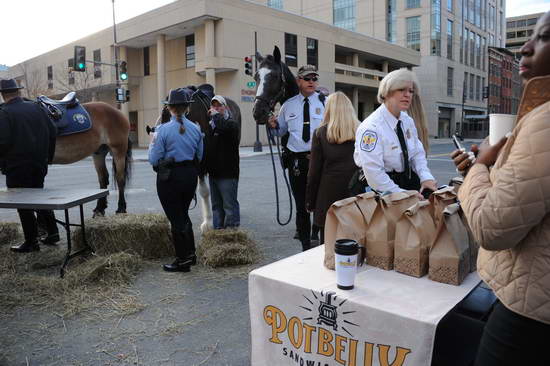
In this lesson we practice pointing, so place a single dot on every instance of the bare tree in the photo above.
(85, 84)
(35, 82)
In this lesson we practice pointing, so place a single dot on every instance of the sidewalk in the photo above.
(141, 154)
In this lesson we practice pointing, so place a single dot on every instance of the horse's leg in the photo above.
(204, 193)
(103, 177)
(121, 171)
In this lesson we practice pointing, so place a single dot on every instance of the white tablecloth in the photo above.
(388, 319)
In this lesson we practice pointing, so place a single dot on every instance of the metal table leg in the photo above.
(67, 226)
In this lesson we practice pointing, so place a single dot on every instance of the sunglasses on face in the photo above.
(307, 78)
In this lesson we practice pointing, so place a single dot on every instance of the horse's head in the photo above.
(275, 85)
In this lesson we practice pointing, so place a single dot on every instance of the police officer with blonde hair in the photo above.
(300, 116)
(387, 146)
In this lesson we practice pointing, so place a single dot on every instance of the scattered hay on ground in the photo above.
(10, 233)
(90, 284)
(228, 247)
(147, 235)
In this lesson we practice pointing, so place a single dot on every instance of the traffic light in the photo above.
(122, 72)
(120, 95)
(248, 65)
(127, 95)
(79, 58)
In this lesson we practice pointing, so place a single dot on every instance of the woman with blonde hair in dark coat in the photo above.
(331, 165)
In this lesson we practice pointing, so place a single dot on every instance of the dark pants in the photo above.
(510, 339)
(225, 206)
(31, 177)
(298, 181)
(175, 195)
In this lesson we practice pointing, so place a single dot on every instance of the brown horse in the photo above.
(109, 132)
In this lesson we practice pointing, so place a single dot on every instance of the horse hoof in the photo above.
(205, 226)
(98, 213)
(120, 211)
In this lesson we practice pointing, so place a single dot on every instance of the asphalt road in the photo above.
(188, 319)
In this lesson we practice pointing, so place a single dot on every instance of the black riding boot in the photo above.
(181, 264)
(190, 240)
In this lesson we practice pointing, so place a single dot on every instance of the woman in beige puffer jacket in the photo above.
(508, 210)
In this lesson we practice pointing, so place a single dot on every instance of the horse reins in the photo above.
(271, 139)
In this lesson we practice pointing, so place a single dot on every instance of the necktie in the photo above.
(403, 144)
(305, 128)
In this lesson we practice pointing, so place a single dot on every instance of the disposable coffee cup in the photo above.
(347, 260)
(499, 126)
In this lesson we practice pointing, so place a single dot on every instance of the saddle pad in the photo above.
(74, 120)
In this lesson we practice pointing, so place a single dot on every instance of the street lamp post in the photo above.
(257, 143)
(115, 47)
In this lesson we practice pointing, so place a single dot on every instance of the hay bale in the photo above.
(10, 233)
(228, 247)
(147, 235)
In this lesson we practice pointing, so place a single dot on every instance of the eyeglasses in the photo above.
(314, 79)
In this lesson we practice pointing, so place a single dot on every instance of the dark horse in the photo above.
(276, 84)
(198, 113)
(109, 132)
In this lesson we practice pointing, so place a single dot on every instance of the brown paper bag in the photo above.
(381, 229)
(347, 219)
(472, 243)
(456, 183)
(449, 260)
(414, 234)
(439, 200)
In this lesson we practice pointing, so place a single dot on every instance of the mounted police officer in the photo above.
(174, 150)
(300, 116)
(27, 145)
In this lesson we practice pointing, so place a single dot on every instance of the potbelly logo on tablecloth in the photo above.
(326, 333)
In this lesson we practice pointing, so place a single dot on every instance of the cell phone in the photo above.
(426, 193)
(457, 143)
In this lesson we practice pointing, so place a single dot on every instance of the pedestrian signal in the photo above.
(79, 58)
(122, 72)
(248, 65)
(120, 95)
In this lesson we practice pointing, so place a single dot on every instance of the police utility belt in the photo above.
(293, 161)
(358, 183)
(165, 166)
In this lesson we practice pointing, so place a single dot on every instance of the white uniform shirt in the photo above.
(291, 119)
(378, 152)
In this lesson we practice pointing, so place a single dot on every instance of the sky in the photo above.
(58, 22)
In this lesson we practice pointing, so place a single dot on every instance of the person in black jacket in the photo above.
(222, 165)
(27, 145)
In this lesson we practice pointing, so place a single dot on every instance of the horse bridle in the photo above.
(199, 94)
(277, 97)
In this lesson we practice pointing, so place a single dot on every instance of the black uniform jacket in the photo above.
(222, 155)
(27, 143)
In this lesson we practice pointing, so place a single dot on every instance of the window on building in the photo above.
(491, 40)
(97, 66)
(483, 86)
(472, 48)
(343, 14)
(146, 64)
(500, 22)
(450, 77)
(511, 24)
(450, 6)
(461, 53)
(391, 21)
(492, 13)
(478, 51)
(529, 32)
(413, 4)
(465, 87)
(276, 4)
(436, 28)
(510, 35)
(521, 23)
(532, 21)
(484, 15)
(521, 34)
(312, 52)
(190, 50)
(478, 13)
(471, 8)
(478, 87)
(449, 39)
(472, 78)
(413, 33)
(291, 49)
(70, 64)
(50, 77)
(483, 52)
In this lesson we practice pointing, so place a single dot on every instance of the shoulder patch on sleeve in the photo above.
(369, 140)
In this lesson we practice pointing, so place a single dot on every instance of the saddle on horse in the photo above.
(68, 114)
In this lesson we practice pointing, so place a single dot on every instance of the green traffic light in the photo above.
(123, 76)
(80, 65)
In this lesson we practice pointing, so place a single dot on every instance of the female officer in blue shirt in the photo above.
(175, 145)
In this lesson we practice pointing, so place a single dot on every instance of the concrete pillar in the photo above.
(356, 60)
(355, 100)
(210, 51)
(385, 66)
(161, 70)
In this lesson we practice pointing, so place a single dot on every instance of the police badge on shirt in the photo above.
(369, 140)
